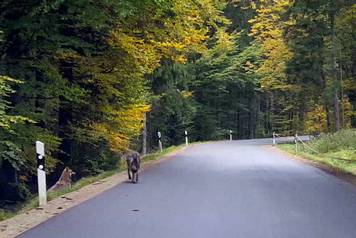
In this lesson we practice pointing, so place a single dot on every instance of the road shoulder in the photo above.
(18, 224)
(326, 168)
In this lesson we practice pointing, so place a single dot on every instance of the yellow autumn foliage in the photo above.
(316, 120)
(348, 112)
(139, 51)
(169, 37)
(268, 29)
(122, 126)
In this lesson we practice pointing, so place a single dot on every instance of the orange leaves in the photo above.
(172, 32)
(143, 53)
(174, 37)
(121, 126)
(316, 121)
(117, 141)
(267, 28)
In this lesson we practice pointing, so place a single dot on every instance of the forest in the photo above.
(85, 77)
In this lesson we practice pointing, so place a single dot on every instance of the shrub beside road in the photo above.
(337, 150)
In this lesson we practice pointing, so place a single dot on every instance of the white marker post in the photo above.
(41, 174)
(159, 141)
(186, 138)
(274, 139)
(230, 134)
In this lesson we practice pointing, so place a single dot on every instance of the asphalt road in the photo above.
(237, 189)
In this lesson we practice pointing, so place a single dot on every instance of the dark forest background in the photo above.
(82, 75)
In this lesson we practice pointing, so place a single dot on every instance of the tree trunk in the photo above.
(271, 115)
(144, 135)
(65, 132)
(342, 92)
(252, 127)
(334, 73)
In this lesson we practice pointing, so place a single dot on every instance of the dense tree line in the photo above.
(73, 76)
(81, 75)
(281, 65)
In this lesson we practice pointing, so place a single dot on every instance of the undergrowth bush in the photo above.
(342, 140)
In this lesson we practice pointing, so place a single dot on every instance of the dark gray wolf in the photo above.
(133, 160)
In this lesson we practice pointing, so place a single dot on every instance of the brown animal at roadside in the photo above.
(65, 181)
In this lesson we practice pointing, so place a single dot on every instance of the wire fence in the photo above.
(305, 145)
(297, 140)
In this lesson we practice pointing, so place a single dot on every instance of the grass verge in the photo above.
(32, 202)
(157, 154)
(337, 151)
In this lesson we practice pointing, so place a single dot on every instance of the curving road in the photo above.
(238, 189)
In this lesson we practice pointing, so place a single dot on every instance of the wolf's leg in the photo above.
(136, 177)
(134, 174)
(128, 173)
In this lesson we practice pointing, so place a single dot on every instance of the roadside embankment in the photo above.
(336, 152)
(31, 215)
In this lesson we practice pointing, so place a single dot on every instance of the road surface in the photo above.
(238, 189)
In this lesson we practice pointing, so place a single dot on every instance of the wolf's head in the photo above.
(67, 174)
(70, 172)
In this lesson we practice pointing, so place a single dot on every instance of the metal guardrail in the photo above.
(297, 139)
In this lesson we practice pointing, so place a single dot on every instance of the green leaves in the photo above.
(84, 67)
(90, 70)
(11, 153)
(6, 120)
